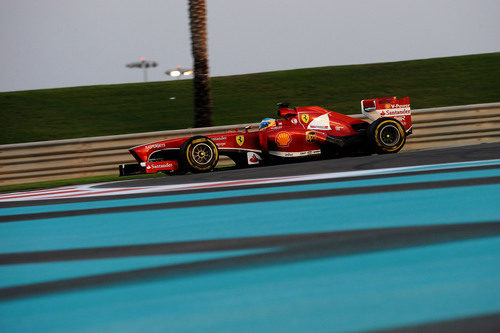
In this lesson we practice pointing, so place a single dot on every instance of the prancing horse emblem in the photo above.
(305, 118)
(240, 139)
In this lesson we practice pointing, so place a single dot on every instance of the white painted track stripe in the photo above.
(35, 194)
(89, 190)
(46, 191)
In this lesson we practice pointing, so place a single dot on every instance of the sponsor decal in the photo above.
(338, 126)
(305, 118)
(294, 121)
(155, 146)
(320, 123)
(295, 154)
(396, 112)
(219, 138)
(240, 139)
(310, 136)
(320, 127)
(199, 140)
(253, 158)
(283, 139)
(160, 166)
(397, 106)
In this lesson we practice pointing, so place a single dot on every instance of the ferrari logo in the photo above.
(240, 139)
(305, 118)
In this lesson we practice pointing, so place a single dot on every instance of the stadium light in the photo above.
(179, 72)
(144, 65)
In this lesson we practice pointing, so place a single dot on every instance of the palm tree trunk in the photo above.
(202, 99)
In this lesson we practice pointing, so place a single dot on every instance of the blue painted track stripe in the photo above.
(355, 292)
(423, 207)
(361, 292)
(450, 165)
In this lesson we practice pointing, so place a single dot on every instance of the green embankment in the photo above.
(51, 114)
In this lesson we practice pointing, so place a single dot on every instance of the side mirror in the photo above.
(283, 105)
(286, 112)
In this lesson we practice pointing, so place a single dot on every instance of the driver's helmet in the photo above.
(266, 123)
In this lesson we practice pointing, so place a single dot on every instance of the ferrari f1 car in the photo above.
(300, 132)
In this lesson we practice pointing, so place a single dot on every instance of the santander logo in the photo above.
(159, 166)
(254, 159)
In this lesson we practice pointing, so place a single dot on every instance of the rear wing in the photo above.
(389, 107)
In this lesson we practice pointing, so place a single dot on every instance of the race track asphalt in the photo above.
(445, 155)
(394, 243)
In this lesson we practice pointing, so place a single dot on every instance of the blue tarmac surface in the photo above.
(356, 291)
(359, 292)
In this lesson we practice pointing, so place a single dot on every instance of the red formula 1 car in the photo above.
(299, 132)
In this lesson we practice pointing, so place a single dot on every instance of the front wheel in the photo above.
(386, 135)
(199, 154)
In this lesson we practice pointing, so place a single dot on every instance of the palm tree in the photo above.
(202, 99)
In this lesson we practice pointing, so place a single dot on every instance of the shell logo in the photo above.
(388, 106)
(283, 139)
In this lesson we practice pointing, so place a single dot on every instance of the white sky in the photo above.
(60, 43)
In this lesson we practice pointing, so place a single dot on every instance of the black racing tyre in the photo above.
(386, 135)
(198, 154)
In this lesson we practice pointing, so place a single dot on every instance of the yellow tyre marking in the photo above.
(401, 132)
(214, 149)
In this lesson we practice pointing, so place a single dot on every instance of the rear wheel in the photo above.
(198, 154)
(386, 135)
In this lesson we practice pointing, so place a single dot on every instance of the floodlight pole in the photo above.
(144, 65)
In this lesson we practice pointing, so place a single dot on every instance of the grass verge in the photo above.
(77, 112)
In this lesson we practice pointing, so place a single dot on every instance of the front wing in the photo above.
(147, 167)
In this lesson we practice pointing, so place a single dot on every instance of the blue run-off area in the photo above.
(361, 284)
